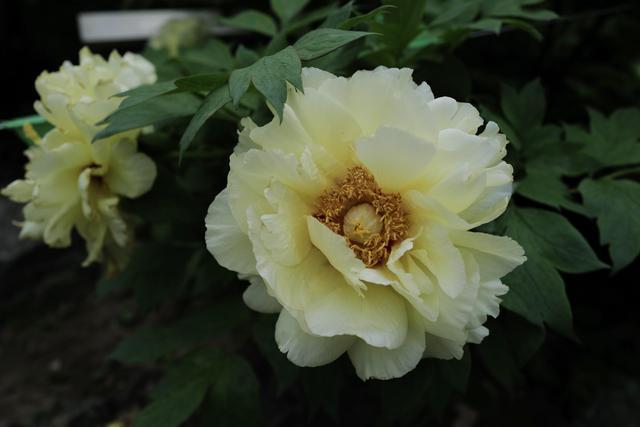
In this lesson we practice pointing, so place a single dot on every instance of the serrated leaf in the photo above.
(460, 13)
(536, 289)
(201, 82)
(212, 55)
(615, 140)
(215, 100)
(233, 397)
(497, 356)
(285, 372)
(269, 75)
(537, 292)
(552, 237)
(252, 20)
(174, 407)
(287, 9)
(547, 188)
(319, 42)
(149, 344)
(366, 17)
(524, 108)
(337, 16)
(401, 24)
(145, 92)
(148, 112)
(616, 205)
(155, 272)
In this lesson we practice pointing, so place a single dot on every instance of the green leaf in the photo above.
(287, 9)
(497, 356)
(536, 289)
(201, 82)
(489, 24)
(285, 372)
(460, 13)
(524, 108)
(149, 344)
(525, 337)
(252, 20)
(245, 56)
(319, 42)
(366, 17)
(616, 205)
(455, 372)
(215, 100)
(165, 107)
(401, 24)
(233, 398)
(213, 55)
(547, 188)
(269, 75)
(613, 141)
(516, 9)
(550, 236)
(174, 407)
(524, 26)
(144, 93)
(155, 272)
(337, 16)
(537, 293)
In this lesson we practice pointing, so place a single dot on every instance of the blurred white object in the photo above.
(115, 26)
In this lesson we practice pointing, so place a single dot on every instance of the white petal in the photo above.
(495, 255)
(20, 190)
(257, 298)
(305, 349)
(442, 348)
(379, 317)
(131, 173)
(442, 259)
(382, 363)
(226, 242)
(395, 157)
(338, 253)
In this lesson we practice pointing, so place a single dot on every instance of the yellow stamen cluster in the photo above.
(348, 209)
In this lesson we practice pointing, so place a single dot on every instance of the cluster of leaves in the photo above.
(217, 357)
(567, 174)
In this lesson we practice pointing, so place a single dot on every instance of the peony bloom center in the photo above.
(361, 223)
(371, 220)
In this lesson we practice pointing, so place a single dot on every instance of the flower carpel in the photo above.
(370, 219)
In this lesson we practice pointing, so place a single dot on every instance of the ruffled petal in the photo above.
(394, 157)
(378, 317)
(257, 298)
(306, 349)
(383, 363)
(495, 255)
(225, 240)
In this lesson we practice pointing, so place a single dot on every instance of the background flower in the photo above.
(71, 182)
(355, 212)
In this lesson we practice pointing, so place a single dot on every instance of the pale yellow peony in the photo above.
(71, 182)
(351, 219)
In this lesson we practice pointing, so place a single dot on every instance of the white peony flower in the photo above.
(71, 182)
(352, 218)
(76, 97)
